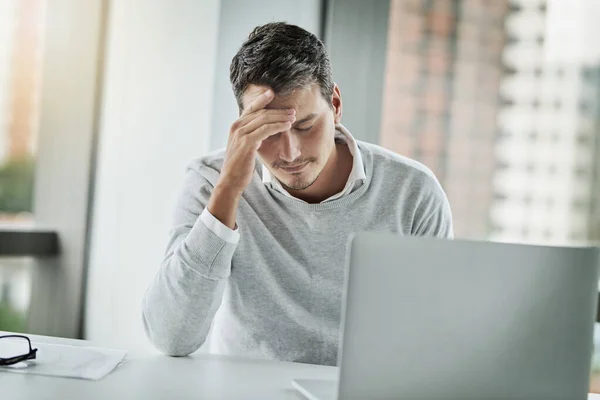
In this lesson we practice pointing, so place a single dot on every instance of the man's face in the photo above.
(296, 157)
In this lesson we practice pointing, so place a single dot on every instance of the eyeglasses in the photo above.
(19, 353)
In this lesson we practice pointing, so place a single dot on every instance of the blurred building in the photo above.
(441, 97)
(7, 22)
(20, 56)
(547, 187)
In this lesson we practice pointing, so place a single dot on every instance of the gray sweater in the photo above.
(278, 291)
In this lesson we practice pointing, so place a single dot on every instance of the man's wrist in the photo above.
(227, 191)
(223, 204)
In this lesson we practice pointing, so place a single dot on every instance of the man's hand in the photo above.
(245, 137)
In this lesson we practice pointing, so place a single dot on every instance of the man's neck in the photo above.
(332, 179)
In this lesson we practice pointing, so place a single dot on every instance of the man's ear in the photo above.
(336, 103)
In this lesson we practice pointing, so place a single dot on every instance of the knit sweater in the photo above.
(278, 291)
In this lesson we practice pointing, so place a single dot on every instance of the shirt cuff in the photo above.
(218, 228)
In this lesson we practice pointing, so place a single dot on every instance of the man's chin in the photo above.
(297, 185)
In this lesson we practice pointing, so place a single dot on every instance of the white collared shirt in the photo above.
(356, 179)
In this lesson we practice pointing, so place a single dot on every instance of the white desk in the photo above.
(148, 377)
(202, 376)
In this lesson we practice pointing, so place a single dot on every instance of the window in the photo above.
(533, 110)
(522, 99)
(15, 288)
(546, 96)
(21, 28)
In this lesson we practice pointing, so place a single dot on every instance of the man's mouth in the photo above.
(295, 168)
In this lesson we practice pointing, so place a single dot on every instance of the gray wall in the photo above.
(356, 37)
(237, 19)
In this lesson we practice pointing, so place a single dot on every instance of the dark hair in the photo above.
(282, 56)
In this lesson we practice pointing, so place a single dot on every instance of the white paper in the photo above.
(66, 361)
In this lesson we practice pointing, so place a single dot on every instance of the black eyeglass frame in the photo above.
(31, 355)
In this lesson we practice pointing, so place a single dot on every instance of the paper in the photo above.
(66, 361)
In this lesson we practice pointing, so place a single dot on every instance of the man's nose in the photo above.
(289, 149)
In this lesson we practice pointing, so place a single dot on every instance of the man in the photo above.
(261, 228)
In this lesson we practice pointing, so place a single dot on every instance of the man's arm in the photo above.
(433, 216)
(180, 303)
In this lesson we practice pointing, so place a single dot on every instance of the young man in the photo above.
(261, 228)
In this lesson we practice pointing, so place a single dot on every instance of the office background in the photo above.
(103, 103)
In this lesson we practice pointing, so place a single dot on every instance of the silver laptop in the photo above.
(432, 319)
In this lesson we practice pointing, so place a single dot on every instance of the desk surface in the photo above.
(153, 376)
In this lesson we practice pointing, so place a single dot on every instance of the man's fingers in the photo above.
(245, 120)
(267, 130)
(259, 102)
(266, 118)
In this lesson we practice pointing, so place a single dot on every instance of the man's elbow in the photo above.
(175, 350)
(170, 342)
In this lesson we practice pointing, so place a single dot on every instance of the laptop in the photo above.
(427, 318)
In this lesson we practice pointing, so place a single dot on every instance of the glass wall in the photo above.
(21, 43)
(502, 105)
(15, 292)
(501, 100)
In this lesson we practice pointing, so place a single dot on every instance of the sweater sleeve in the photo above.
(433, 216)
(218, 228)
(180, 303)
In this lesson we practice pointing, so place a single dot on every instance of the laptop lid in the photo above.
(430, 318)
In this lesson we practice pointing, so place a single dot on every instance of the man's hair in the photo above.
(284, 57)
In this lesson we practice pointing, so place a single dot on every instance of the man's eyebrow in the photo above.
(305, 119)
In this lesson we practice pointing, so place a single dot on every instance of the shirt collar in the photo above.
(341, 135)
